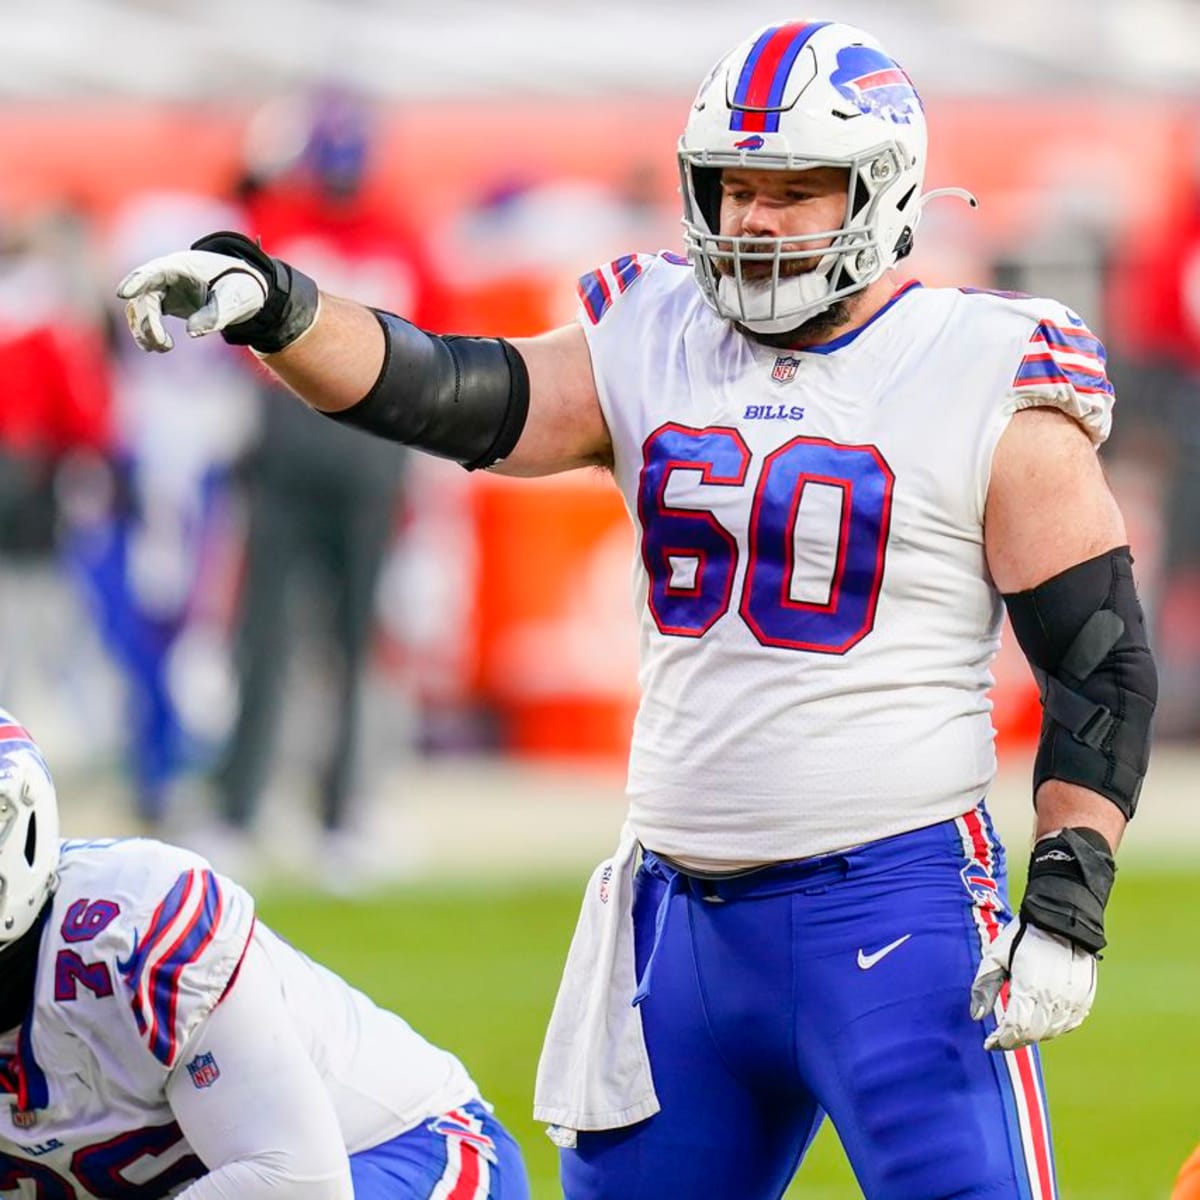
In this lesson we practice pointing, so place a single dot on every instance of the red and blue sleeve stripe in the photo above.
(626, 269)
(1080, 340)
(764, 75)
(1071, 357)
(596, 288)
(181, 929)
(595, 294)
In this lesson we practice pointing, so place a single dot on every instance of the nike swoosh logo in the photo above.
(867, 961)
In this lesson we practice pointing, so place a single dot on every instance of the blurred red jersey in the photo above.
(351, 246)
(54, 394)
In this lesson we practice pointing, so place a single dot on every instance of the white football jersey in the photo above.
(141, 942)
(817, 617)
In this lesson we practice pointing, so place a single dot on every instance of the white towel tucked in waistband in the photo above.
(594, 1071)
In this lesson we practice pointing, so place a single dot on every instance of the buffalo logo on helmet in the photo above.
(753, 142)
(875, 84)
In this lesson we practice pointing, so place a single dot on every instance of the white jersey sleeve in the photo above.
(264, 1124)
(1062, 365)
(175, 933)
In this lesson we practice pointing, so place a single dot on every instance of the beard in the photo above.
(816, 329)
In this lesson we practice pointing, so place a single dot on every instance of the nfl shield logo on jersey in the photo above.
(785, 369)
(204, 1070)
(23, 1118)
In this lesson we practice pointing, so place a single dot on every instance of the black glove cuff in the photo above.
(291, 303)
(1070, 877)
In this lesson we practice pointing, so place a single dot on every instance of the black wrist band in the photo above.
(292, 297)
(1070, 877)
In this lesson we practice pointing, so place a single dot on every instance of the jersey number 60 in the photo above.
(692, 558)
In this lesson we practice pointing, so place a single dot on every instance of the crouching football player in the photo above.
(158, 1040)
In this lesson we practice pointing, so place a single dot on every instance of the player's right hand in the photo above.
(1051, 986)
(209, 291)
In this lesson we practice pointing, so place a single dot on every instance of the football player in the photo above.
(159, 1040)
(839, 481)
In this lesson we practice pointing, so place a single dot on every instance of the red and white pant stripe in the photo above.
(468, 1172)
(1028, 1097)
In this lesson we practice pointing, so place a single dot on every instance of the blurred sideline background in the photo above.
(396, 698)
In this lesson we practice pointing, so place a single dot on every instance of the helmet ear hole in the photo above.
(858, 195)
(31, 839)
(707, 184)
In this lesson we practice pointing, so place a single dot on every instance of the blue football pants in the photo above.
(836, 985)
(465, 1154)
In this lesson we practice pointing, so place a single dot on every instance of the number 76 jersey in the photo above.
(816, 616)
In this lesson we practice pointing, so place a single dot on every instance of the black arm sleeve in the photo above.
(463, 398)
(1085, 638)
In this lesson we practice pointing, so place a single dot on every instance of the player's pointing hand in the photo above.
(209, 291)
(224, 284)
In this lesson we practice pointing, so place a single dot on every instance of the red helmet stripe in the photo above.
(765, 72)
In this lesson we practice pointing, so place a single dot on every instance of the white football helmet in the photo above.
(28, 830)
(796, 96)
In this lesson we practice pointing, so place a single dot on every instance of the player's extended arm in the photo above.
(265, 1126)
(526, 407)
(1055, 543)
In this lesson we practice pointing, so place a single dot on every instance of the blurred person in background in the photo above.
(157, 1039)
(160, 563)
(322, 509)
(1155, 290)
(840, 482)
(55, 439)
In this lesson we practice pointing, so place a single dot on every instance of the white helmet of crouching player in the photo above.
(793, 97)
(28, 830)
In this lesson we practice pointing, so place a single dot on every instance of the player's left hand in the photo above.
(1052, 983)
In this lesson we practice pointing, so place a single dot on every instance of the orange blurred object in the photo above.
(556, 646)
(1187, 1183)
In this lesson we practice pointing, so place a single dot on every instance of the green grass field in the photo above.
(475, 969)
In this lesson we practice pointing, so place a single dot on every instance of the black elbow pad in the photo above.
(1084, 635)
(462, 398)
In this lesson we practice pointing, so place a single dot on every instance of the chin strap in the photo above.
(957, 192)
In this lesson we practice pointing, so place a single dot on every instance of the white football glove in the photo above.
(209, 291)
(1052, 983)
